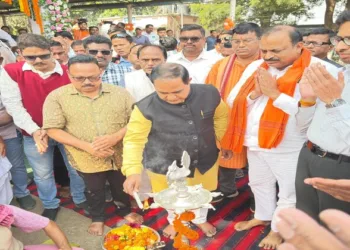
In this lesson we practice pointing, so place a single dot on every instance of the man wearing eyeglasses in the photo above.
(100, 47)
(24, 87)
(323, 171)
(263, 119)
(318, 42)
(224, 76)
(193, 56)
(92, 138)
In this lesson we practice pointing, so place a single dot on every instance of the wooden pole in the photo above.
(233, 9)
(129, 8)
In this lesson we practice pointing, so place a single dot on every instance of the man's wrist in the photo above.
(253, 96)
(275, 95)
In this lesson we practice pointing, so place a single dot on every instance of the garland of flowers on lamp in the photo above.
(56, 16)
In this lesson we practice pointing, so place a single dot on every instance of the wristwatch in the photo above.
(335, 103)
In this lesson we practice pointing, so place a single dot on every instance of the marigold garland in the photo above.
(183, 230)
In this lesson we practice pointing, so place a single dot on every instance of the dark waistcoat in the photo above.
(178, 127)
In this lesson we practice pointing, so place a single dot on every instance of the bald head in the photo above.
(281, 46)
(294, 35)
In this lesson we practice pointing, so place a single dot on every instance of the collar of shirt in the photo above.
(58, 69)
(125, 63)
(204, 55)
(74, 91)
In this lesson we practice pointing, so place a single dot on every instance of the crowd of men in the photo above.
(120, 108)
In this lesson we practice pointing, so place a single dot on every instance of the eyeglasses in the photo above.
(245, 41)
(316, 44)
(41, 57)
(194, 39)
(337, 39)
(82, 79)
(94, 52)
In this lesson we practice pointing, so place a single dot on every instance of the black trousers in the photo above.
(311, 200)
(95, 193)
(60, 169)
(227, 180)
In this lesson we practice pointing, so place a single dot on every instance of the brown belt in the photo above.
(324, 154)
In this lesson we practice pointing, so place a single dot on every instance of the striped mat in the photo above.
(227, 213)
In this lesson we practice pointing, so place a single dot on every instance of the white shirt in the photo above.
(329, 128)
(199, 68)
(6, 36)
(215, 54)
(293, 137)
(138, 84)
(12, 98)
(152, 37)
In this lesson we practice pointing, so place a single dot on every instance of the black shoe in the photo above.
(50, 213)
(26, 202)
(217, 199)
(231, 195)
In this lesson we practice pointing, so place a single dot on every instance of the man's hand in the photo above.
(105, 142)
(2, 147)
(267, 84)
(103, 153)
(41, 140)
(324, 85)
(305, 88)
(256, 93)
(339, 189)
(132, 183)
(226, 154)
(301, 232)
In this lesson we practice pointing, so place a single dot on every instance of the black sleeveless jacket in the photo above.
(175, 128)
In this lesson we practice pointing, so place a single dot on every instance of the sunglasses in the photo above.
(194, 39)
(41, 57)
(94, 52)
(337, 39)
(82, 79)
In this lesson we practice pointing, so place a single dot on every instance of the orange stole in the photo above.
(273, 121)
(215, 78)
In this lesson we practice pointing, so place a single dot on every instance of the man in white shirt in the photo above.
(152, 37)
(323, 171)
(193, 56)
(137, 82)
(267, 95)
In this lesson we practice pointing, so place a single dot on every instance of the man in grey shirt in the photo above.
(324, 163)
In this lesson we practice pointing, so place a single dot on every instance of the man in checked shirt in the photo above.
(100, 47)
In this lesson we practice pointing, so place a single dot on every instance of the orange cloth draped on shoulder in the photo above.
(80, 34)
(273, 121)
(224, 75)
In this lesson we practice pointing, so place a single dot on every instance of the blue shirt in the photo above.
(141, 39)
(211, 41)
(125, 63)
